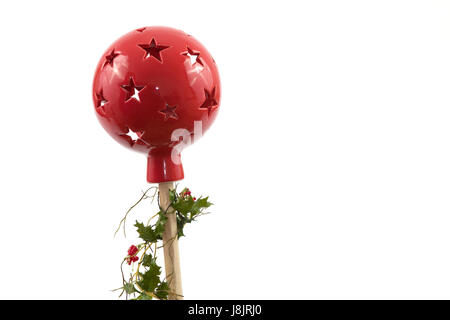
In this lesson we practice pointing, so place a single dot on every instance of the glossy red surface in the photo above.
(151, 82)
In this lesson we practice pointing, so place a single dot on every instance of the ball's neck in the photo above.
(164, 165)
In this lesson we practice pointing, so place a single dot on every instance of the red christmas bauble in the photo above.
(156, 89)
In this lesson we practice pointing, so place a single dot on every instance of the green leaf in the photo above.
(184, 205)
(172, 195)
(143, 296)
(150, 279)
(146, 233)
(129, 288)
(202, 203)
(160, 224)
(187, 210)
(199, 205)
(188, 205)
(162, 291)
(148, 260)
(181, 221)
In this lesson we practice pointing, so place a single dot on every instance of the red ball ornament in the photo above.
(156, 90)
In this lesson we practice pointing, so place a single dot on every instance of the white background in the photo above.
(329, 162)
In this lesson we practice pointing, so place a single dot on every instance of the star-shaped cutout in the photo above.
(133, 136)
(109, 59)
(153, 50)
(169, 112)
(101, 100)
(194, 56)
(132, 90)
(210, 101)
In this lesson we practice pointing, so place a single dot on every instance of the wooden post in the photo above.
(170, 243)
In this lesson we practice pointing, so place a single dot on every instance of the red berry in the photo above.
(132, 250)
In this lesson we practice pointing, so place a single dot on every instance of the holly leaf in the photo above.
(162, 292)
(129, 288)
(146, 233)
(199, 205)
(180, 231)
(184, 205)
(160, 224)
(150, 279)
(188, 205)
(172, 195)
(181, 221)
(187, 210)
(148, 260)
(143, 296)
